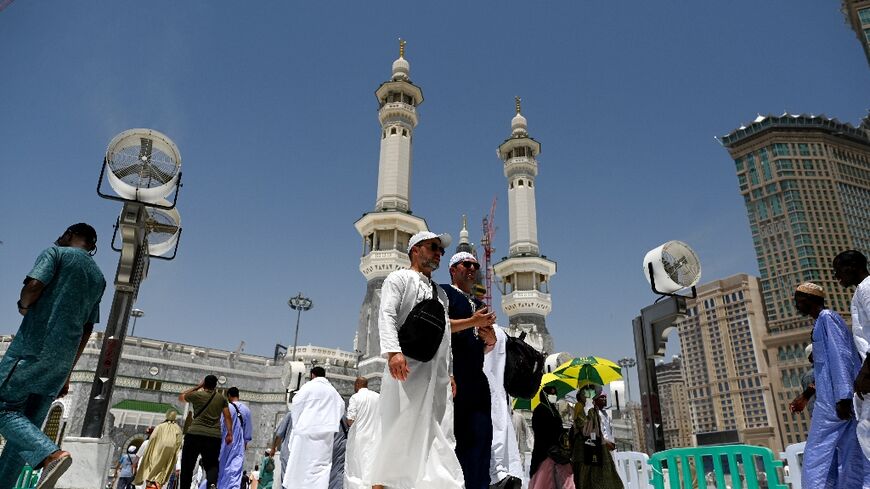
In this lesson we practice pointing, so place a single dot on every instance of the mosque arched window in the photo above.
(531, 184)
(512, 185)
(392, 131)
(520, 182)
(404, 132)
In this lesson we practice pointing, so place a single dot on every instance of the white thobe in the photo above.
(861, 332)
(505, 453)
(317, 410)
(362, 438)
(414, 452)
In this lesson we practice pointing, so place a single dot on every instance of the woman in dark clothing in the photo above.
(547, 426)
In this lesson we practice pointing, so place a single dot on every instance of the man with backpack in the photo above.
(203, 430)
(471, 333)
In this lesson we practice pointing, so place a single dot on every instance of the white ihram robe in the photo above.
(317, 410)
(861, 332)
(414, 451)
(362, 439)
(505, 458)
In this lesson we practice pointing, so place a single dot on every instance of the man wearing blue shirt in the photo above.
(60, 302)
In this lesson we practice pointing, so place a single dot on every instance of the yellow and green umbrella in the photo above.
(562, 384)
(590, 370)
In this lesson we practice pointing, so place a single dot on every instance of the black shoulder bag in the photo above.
(423, 329)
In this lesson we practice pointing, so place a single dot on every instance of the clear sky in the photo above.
(272, 106)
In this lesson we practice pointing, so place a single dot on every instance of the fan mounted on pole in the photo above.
(671, 267)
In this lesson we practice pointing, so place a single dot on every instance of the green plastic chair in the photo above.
(680, 460)
(28, 478)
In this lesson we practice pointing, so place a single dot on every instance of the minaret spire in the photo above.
(385, 231)
(525, 273)
(518, 101)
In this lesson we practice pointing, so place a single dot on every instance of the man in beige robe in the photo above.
(158, 463)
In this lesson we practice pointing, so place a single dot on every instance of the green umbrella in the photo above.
(562, 384)
(590, 370)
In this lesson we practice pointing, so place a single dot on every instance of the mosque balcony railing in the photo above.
(527, 302)
(398, 109)
(381, 262)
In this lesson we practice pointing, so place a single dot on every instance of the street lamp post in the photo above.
(298, 303)
(135, 314)
(626, 363)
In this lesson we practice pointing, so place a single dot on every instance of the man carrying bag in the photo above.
(202, 436)
(414, 451)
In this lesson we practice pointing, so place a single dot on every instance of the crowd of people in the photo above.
(442, 419)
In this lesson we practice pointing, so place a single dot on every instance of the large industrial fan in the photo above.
(671, 267)
(143, 165)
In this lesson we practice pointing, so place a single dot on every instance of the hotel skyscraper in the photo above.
(805, 181)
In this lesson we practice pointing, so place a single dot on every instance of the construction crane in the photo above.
(487, 240)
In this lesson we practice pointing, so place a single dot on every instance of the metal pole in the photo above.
(131, 267)
(299, 303)
(296, 336)
(136, 313)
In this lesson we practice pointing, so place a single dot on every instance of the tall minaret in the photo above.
(385, 231)
(524, 275)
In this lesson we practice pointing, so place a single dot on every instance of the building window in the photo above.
(392, 131)
(405, 132)
(864, 15)
(150, 385)
(520, 183)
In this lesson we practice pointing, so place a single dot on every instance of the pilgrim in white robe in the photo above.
(317, 410)
(362, 438)
(861, 332)
(414, 451)
(505, 460)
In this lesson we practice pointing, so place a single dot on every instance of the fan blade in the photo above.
(145, 148)
(157, 173)
(129, 170)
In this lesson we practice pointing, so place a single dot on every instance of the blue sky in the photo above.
(272, 106)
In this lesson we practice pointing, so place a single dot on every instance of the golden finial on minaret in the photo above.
(518, 101)
(464, 221)
(402, 43)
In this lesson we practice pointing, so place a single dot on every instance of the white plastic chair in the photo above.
(793, 457)
(633, 468)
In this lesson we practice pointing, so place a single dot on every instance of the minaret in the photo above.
(464, 244)
(524, 275)
(385, 231)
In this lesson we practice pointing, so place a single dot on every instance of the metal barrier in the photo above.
(28, 478)
(746, 465)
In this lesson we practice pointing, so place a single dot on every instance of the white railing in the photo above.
(633, 468)
(793, 457)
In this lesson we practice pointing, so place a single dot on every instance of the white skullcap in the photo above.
(424, 235)
(461, 257)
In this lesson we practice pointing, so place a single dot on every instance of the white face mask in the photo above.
(552, 398)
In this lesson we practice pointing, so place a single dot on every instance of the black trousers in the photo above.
(206, 447)
(473, 429)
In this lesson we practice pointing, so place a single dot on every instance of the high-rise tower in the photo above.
(386, 230)
(524, 275)
(805, 181)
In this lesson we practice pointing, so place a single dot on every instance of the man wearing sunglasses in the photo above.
(414, 451)
(471, 327)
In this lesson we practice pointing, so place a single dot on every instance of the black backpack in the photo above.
(423, 329)
(524, 367)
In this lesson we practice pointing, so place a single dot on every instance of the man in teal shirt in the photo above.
(60, 302)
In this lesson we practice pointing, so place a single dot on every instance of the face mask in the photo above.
(552, 398)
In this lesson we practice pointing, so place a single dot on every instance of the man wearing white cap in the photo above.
(414, 451)
(832, 457)
(471, 327)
